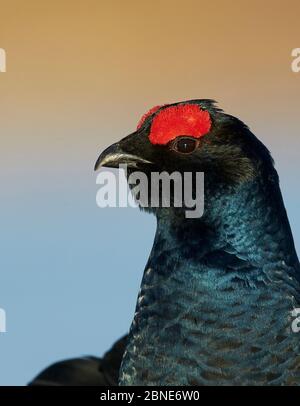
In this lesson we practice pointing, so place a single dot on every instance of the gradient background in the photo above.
(79, 76)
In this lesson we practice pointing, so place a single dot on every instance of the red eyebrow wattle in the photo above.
(173, 121)
(148, 114)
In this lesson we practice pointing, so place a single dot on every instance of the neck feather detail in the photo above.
(216, 299)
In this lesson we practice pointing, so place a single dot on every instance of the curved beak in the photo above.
(116, 155)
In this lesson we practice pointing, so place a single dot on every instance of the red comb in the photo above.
(183, 119)
(148, 114)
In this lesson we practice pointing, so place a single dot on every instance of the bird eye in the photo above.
(185, 145)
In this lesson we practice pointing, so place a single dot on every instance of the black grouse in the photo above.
(218, 291)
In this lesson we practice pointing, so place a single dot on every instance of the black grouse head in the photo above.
(193, 136)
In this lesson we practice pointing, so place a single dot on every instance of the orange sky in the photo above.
(80, 73)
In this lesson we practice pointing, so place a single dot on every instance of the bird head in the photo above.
(192, 136)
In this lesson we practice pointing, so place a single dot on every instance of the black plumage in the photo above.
(84, 371)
